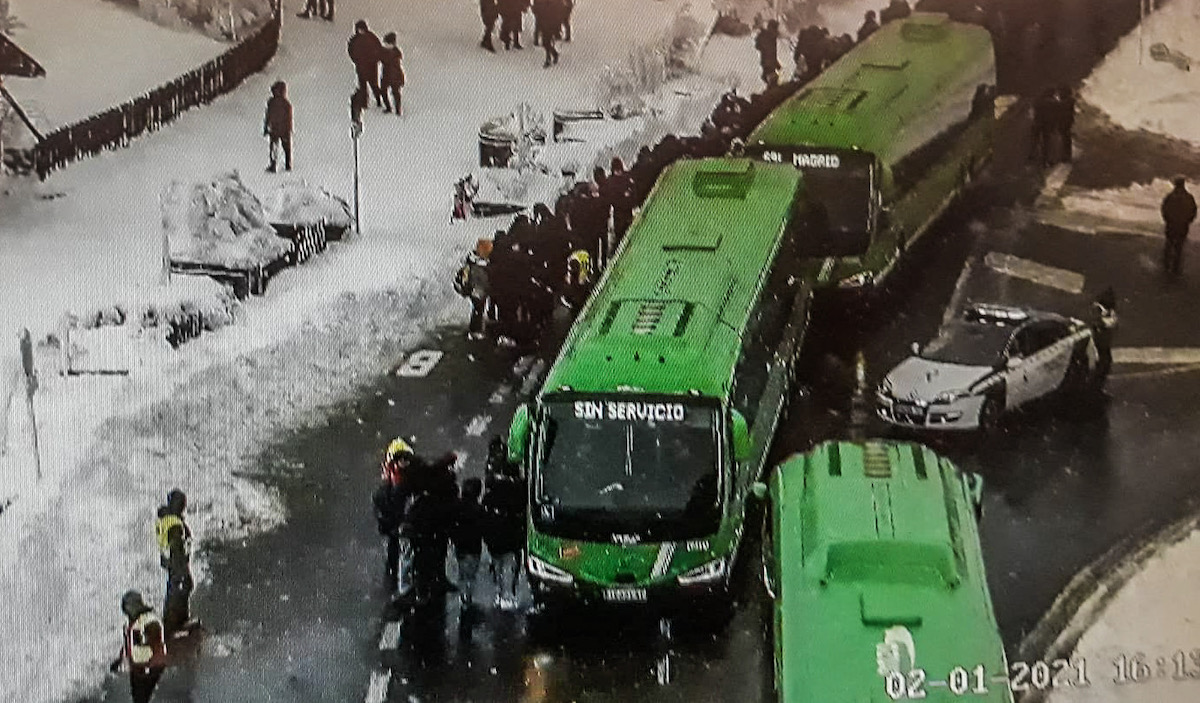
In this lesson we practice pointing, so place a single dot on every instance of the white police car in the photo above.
(988, 361)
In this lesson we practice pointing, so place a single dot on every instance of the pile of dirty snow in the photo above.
(1157, 91)
(219, 223)
(522, 188)
(299, 204)
(154, 306)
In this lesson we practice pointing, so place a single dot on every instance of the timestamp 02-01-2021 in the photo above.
(1124, 669)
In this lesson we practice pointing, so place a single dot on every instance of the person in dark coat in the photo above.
(504, 505)
(175, 554)
(618, 193)
(326, 8)
(1178, 213)
(511, 12)
(589, 222)
(429, 520)
(869, 26)
(277, 126)
(470, 523)
(565, 10)
(548, 27)
(310, 9)
(767, 44)
(143, 647)
(366, 52)
(502, 272)
(1043, 129)
(1065, 120)
(896, 10)
(488, 12)
(393, 72)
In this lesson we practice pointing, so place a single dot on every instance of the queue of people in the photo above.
(421, 511)
(551, 24)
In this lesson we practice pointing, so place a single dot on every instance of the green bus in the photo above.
(656, 417)
(871, 554)
(886, 137)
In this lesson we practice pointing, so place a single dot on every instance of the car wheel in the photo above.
(989, 414)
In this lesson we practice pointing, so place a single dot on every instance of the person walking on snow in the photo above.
(510, 22)
(143, 647)
(767, 43)
(277, 126)
(366, 51)
(1178, 213)
(393, 72)
(488, 12)
(504, 505)
(549, 21)
(174, 539)
(1065, 120)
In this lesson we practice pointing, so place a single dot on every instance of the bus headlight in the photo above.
(546, 571)
(947, 397)
(858, 280)
(710, 572)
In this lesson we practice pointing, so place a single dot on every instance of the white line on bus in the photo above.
(1028, 270)
(390, 639)
(1156, 355)
(377, 691)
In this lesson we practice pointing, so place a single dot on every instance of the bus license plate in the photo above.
(625, 595)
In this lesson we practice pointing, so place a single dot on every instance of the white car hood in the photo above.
(921, 379)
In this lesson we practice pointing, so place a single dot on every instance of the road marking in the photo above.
(1087, 223)
(478, 425)
(377, 691)
(533, 378)
(1028, 270)
(1169, 356)
(960, 286)
(666, 553)
(1055, 180)
(1159, 372)
(419, 363)
(390, 639)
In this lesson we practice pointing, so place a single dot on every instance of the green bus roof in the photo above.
(882, 87)
(668, 314)
(883, 549)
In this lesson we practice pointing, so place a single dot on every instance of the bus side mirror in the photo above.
(884, 220)
(518, 434)
(975, 490)
(742, 450)
(758, 489)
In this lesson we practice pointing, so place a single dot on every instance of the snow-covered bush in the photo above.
(300, 204)
(161, 305)
(219, 223)
(220, 19)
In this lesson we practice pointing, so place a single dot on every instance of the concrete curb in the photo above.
(1088, 594)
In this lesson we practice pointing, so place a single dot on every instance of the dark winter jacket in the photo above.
(868, 28)
(767, 43)
(470, 524)
(365, 49)
(896, 10)
(278, 120)
(422, 499)
(393, 69)
(488, 11)
(512, 8)
(504, 505)
(1178, 210)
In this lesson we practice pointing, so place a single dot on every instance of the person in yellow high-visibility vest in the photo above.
(578, 284)
(143, 647)
(174, 539)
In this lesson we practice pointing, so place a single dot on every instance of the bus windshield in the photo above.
(641, 466)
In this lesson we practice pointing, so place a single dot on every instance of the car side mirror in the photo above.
(758, 489)
(742, 450)
(916, 348)
(1013, 362)
(518, 434)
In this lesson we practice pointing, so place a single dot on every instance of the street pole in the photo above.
(30, 389)
(356, 133)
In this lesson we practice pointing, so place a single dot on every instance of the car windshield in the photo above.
(639, 466)
(968, 343)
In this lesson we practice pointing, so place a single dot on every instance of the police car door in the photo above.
(1053, 355)
(1018, 379)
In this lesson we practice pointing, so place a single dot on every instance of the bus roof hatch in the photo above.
(724, 179)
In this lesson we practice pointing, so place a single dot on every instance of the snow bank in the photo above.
(220, 223)
(300, 204)
(1151, 93)
(519, 187)
(152, 306)
(219, 19)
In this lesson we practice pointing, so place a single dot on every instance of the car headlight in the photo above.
(858, 280)
(545, 571)
(946, 397)
(885, 388)
(709, 572)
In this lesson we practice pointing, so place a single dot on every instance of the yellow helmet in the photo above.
(398, 449)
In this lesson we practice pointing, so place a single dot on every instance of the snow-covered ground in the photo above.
(113, 445)
(1149, 93)
(1154, 616)
(97, 55)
